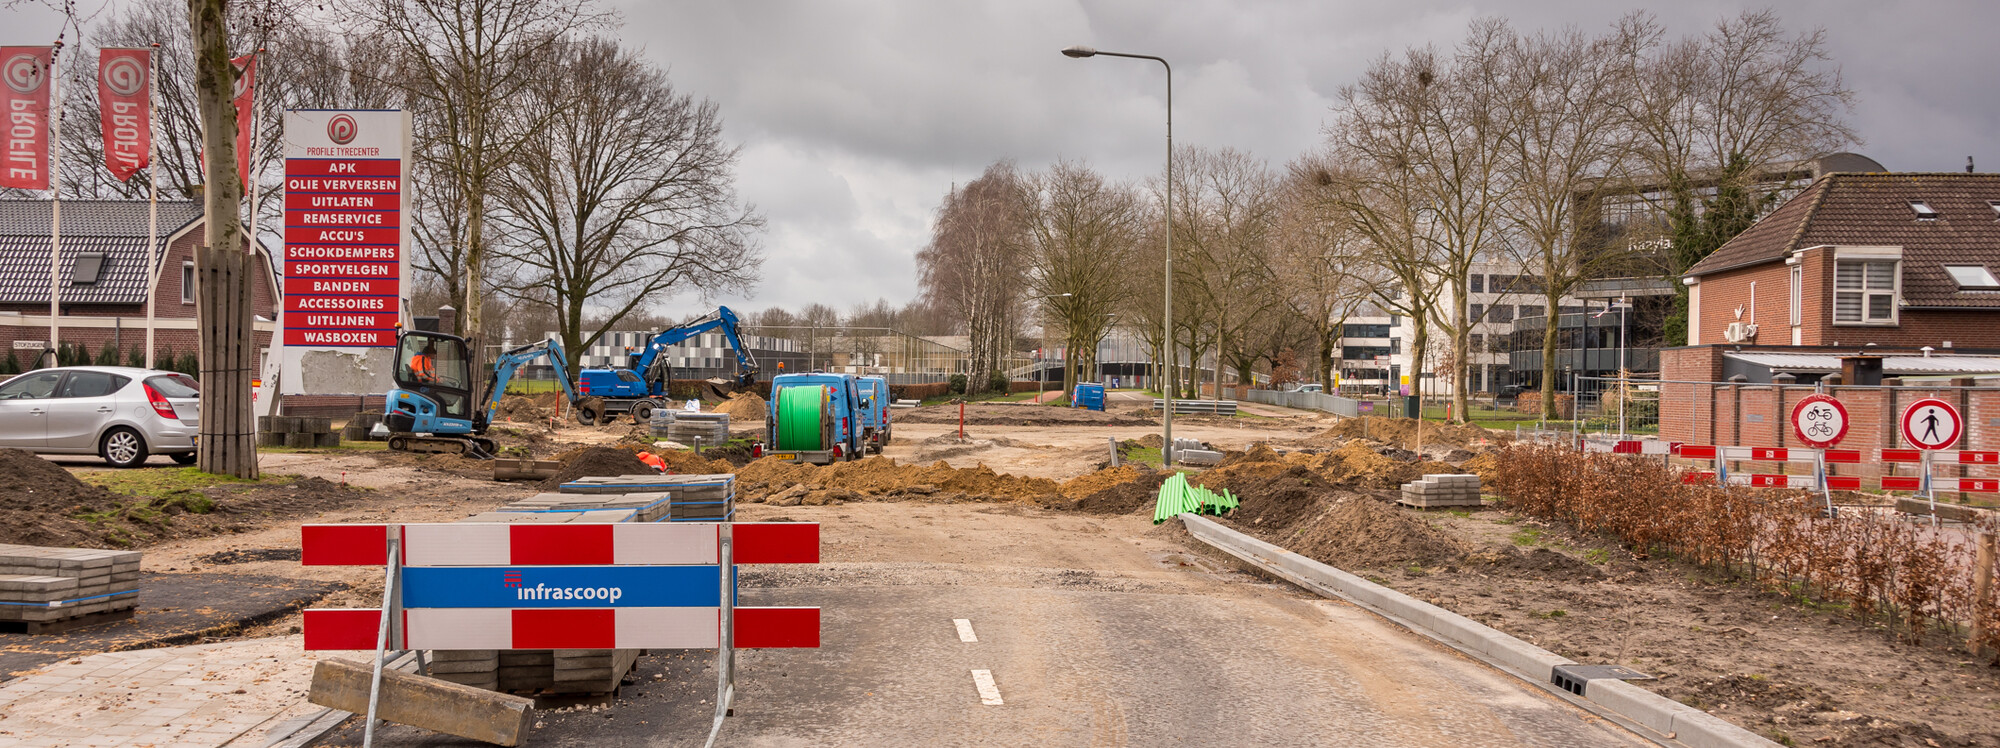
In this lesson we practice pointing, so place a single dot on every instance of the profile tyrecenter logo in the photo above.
(342, 129)
(23, 73)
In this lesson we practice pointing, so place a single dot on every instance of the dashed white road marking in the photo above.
(989, 694)
(964, 630)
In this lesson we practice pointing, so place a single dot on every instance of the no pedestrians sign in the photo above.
(1931, 423)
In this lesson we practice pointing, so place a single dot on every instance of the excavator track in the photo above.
(477, 447)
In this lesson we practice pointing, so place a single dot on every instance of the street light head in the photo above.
(1079, 51)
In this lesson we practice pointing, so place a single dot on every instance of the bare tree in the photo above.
(464, 65)
(624, 195)
(973, 267)
(1226, 210)
(1323, 275)
(223, 302)
(1711, 115)
(1082, 233)
(1565, 141)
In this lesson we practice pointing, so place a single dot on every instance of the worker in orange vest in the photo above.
(423, 366)
(653, 460)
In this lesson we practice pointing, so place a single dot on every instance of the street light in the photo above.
(1167, 312)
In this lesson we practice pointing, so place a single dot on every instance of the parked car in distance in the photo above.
(1305, 388)
(120, 413)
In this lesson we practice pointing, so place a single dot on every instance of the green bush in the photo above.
(188, 364)
(72, 354)
(997, 382)
(108, 355)
(958, 382)
(10, 366)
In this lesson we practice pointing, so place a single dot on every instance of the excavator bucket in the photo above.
(717, 389)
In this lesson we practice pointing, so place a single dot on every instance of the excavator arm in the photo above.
(652, 362)
(512, 360)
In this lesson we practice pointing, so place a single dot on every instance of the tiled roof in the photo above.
(115, 228)
(94, 217)
(1874, 210)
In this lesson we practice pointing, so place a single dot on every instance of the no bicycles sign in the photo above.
(1819, 421)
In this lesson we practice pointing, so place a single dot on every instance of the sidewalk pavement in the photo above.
(173, 697)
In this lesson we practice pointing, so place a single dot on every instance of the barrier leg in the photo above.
(725, 651)
(389, 610)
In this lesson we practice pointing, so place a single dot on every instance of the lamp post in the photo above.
(1167, 310)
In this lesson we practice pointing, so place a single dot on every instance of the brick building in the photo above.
(103, 276)
(1884, 259)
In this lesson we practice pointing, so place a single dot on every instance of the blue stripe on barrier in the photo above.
(561, 586)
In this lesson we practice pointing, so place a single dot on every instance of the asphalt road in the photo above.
(1096, 632)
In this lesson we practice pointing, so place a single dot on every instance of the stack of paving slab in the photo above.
(553, 671)
(1441, 491)
(690, 498)
(711, 428)
(1193, 452)
(46, 589)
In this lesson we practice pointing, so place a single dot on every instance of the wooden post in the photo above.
(1982, 589)
(224, 271)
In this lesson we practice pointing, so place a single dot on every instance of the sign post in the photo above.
(1931, 424)
(346, 249)
(1820, 421)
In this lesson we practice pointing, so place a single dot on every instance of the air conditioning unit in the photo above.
(1739, 332)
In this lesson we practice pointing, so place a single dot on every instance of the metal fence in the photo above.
(1614, 405)
(1320, 401)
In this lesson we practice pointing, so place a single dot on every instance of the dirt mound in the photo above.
(1258, 452)
(1141, 493)
(1354, 464)
(593, 461)
(1358, 531)
(884, 477)
(43, 504)
(999, 414)
(524, 409)
(1402, 432)
(1090, 483)
(744, 406)
(686, 462)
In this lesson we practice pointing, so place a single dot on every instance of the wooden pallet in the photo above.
(66, 624)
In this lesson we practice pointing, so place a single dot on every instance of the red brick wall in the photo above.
(1722, 293)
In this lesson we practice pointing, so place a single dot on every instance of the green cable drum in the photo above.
(799, 411)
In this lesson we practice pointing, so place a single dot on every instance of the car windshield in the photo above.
(175, 385)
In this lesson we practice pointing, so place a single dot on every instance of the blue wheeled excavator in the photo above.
(432, 408)
(642, 387)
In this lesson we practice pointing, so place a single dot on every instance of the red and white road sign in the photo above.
(1931, 423)
(1819, 421)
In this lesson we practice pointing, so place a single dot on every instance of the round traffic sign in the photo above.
(1931, 423)
(1819, 421)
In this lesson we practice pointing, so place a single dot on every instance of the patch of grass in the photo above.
(1597, 556)
(1416, 570)
(1779, 737)
(1143, 455)
(1459, 513)
(1528, 536)
(530, 386)
(1507, 519)
(161, 491)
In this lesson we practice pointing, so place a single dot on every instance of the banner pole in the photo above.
(153, 254)
(55, 202)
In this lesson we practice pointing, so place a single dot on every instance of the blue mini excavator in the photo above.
(432, 408)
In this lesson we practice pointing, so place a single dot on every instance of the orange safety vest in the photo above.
(653, 460)
(423, 367)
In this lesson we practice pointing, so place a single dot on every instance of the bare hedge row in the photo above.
(1915, 578)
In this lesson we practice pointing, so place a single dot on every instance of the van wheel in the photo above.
(122, 447)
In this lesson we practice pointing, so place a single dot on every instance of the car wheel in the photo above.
(122, 447)
(184, 458)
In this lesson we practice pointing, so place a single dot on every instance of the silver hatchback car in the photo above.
(119, 413)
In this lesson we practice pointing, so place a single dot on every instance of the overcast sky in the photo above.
(855, 118)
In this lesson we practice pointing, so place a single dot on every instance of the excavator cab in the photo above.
(431, 408)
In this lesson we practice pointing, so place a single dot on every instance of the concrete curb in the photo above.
(1676, 722)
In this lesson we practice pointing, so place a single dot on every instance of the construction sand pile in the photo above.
(1355, 463)
(43, 504)
(1402, 432)
(744, 406)
(584, 462)
(524, 410)
(787, 482)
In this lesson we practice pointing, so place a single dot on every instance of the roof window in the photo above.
(87, 266)
(1995, 205)
(1973, 276)
(1924, 210)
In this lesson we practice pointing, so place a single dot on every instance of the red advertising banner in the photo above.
(24, 96)
(343, 228)
(245, 97)
(125, 104)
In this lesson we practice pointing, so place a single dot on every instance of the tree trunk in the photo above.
(1461, 355)
(222, 310)
(1549, 360)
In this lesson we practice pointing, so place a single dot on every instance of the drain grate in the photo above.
(1573, 678)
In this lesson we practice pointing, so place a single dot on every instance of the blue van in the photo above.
(874, 412)
(1088, 395)
(815, 418)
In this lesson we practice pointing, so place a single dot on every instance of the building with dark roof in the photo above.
(1884, 259)
(103, 276)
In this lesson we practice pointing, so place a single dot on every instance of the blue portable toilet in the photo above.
(1088, 395)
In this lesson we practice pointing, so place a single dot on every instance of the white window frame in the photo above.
(1798, 295)
(1895, 293)
(187, 282)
